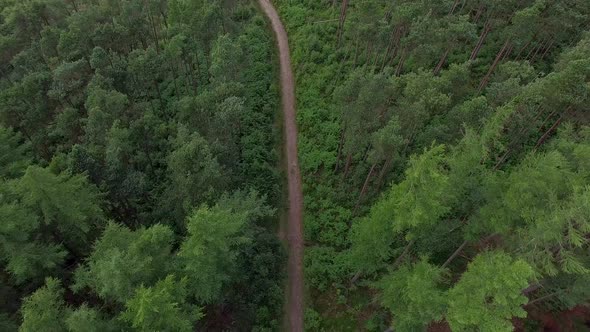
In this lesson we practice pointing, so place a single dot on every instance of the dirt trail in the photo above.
(294, 303)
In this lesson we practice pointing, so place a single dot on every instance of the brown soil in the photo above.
(294, 303)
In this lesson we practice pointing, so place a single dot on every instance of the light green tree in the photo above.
(489, 293)
(414, 296)
(123, 260)
(43, 310)
(161, 307)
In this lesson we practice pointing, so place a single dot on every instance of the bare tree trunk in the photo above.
(404, 253)
(531, 289)
(396, 47)
(343, 12)
(536, 51)
(548, 132)
(369, 51)
(340, 145)
(390, 46)
(364, 189)
(486, 29)
(441, 63)
(454, 7)
(507, 52)
(522, 49)
(347, 165)
(542, 298)
(400, 65)
(454, 255)
(383, 172)
(478, 13)
(547, 49)
(484, 81)
(356, 52)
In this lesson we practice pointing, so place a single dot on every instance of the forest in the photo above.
(139, 187)
(445, 153)
(444, 148)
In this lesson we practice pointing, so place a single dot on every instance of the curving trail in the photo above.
(294, 304)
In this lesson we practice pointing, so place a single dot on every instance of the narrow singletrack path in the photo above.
(294, 303)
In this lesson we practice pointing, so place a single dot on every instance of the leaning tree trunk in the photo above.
(486, 29)
(454, 255)
(440, 64)
(499, 57)
(343, 11)
(364, 189)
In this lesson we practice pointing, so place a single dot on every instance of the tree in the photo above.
(489, 293)
(47, 217)
(209, 252)
(42, 311)
(14, 155)
(26, 256)
(414, 295)
(226, 58)
(193, 172)
(68, 204)
(87, 319)
(123, 260)
(161, 307)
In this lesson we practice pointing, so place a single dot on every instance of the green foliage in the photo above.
(208, 254)
(14, 156)
(489, 294)
(144, 111)
(161, 307)
(381, 81)
(87, 319)
(46, 216)
(193, 172)
(69, 203)
(123, 260)
(414, 295)
(420, 199)
(42, 311)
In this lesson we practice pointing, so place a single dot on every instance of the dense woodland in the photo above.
(444, 146)
(445, 151)
(139, 188)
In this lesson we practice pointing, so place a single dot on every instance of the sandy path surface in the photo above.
(294, 303)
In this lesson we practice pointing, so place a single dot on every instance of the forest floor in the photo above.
(294, 301)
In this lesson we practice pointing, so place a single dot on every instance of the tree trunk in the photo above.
(441, 63)
(347, 166)
(484, 81)
(390, 46)
(356, 52)
(400, 65)
(548, 132)
(486, 29)
(454, 7)
(507, 52)
(454, 255)
(537, 49)
(531, 289)
(383, 172)
(340, 145)
(364, 189)
(396, 47)
(369, 51)
(343, 11)
(542, 298)
(547, 49)
(478, 13)
(404, 253)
